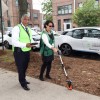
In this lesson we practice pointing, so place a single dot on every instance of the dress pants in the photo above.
(47, 61)
(22, 60)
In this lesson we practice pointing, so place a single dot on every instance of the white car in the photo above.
(85, 39)
(8, 40)
(8, 29)
(36, 38)
(1, 38)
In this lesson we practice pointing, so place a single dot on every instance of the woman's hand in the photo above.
(54, 49)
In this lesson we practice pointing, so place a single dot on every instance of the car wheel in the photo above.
(6, 44)
(66, 49)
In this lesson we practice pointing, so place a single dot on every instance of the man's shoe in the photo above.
(25, 87)
(41, 78)
(48, 76)
(27, 82)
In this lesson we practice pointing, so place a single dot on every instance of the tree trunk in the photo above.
(23, 6)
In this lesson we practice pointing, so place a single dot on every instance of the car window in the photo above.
(94, 33)
(79, 33)
(67, 33)
(64, 33)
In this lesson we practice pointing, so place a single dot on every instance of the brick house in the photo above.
(62, 13)
(36, 18)
(11, 17)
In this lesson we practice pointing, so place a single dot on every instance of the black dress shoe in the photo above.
(25, 87)
(41, 78)
(48, 76)
(27, 82)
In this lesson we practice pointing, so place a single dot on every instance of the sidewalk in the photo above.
(10, 89)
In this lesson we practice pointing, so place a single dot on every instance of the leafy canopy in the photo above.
(47, 9)
(88, 14)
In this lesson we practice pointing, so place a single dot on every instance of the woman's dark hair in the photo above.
(47, 23)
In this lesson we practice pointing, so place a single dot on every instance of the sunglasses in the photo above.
(50, 26)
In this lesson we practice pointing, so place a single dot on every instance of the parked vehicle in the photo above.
(85, 39)
(36, 29)
(36, 38)
(8, 40)
(8, 29)
(0, 38)
(55, 33)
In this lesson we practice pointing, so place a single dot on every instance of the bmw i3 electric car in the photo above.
(85, 39)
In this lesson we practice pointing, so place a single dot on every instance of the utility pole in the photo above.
(1, 23)
(74, 5)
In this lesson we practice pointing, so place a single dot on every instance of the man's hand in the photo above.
(29, 45)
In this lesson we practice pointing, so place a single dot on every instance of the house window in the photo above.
(96, 3)
(9, 23)
(7, 14)
(70, 8)
(59, 25)
(60, 10)
(16, 1)
(35, 15)
(66, 9)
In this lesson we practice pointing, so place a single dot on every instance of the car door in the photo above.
(92, 40)
(77, 39)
